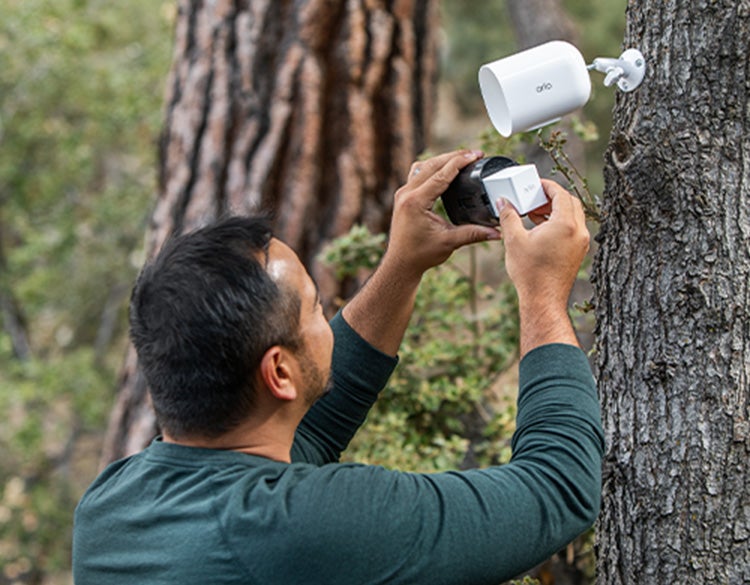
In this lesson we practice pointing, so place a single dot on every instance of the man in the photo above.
(244, 485)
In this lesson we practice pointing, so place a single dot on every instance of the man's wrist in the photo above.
(380, 312)
(543, 322)
(393, 268)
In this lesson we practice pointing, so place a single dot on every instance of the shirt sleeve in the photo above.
(359, 372)
(366, 524)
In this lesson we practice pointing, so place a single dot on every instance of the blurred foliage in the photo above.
(80, 101)
(355, 251)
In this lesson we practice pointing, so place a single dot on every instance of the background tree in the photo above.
(314, 110)
(672, 282)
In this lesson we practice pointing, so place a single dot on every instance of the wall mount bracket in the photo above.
(627, 72)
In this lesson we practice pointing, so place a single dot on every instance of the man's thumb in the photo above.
(510, 221)
(471, 234)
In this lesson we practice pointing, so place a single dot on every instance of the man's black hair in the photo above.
(202, 314)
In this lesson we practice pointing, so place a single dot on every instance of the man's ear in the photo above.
(276, 371)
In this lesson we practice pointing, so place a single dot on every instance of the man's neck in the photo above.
(262, 441)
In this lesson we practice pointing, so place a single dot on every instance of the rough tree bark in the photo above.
(312, 109)
(672, 281)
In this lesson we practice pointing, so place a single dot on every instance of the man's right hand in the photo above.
(543, 263)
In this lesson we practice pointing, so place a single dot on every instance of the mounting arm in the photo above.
(627, 72)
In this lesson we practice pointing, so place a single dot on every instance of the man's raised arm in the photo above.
(543, 264)
(419, 239)
(488, 525)
(370, 328)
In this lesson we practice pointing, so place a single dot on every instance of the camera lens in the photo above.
(493, 164)
(466, 200)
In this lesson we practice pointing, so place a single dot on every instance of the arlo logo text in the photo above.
(544, 87)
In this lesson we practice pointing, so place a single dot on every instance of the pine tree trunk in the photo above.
(672, 281)
(312, 109)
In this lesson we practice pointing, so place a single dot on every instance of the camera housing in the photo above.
(535, 87)
(471, 196)
(466, 199)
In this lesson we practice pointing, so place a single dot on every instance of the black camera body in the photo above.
(466, 199)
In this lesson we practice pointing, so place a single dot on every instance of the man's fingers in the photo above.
(540, 214)
(425, 167)
(510, 222)
(464, 235)
(441, 167)
(553, 190)
(563, 202)
(433, 180)
(560, 198)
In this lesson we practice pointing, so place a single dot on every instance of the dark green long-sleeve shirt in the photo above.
(182, 515)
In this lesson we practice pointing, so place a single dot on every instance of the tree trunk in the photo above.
(312, 109)
(672, 282)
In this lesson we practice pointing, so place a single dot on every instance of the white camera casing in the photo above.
(518, 184)
(535, 87)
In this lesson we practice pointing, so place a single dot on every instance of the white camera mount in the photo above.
(627, 72)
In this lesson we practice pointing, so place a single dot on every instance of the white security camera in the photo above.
(540, 85)
(526, 91)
